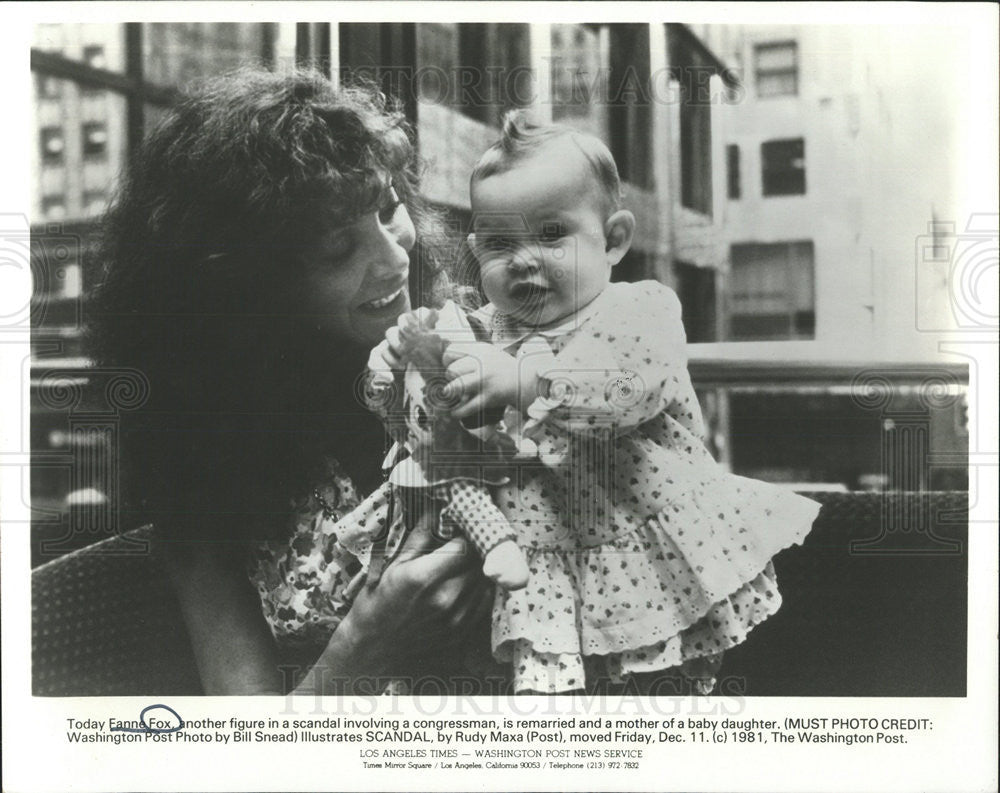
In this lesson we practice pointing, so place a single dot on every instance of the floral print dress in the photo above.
(305, 582)
(644, 554)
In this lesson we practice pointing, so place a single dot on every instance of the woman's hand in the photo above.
(419, 610)
(389, 352)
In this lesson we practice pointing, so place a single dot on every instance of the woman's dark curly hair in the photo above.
(205, 234)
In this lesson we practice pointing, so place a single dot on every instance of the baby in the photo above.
(642, 554)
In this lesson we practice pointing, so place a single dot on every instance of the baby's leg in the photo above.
(694, 677)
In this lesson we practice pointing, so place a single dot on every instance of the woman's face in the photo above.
(357, 275)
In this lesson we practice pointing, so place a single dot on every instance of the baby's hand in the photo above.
(387, 357)
(481, 377)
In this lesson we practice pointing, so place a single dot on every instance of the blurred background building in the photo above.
(771, 171)
(831, 205)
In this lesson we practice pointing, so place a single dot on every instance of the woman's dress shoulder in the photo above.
(301, 579)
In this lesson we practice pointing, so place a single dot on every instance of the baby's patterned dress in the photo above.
(644, 553)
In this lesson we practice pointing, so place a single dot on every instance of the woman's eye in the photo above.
(390, 204)
(340, 247)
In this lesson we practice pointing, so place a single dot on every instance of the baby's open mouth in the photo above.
(527, 291)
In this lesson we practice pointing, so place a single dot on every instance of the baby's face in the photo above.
(539, 236)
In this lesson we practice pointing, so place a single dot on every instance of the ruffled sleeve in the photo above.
(621, 368)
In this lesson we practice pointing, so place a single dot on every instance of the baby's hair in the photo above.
(521, 137)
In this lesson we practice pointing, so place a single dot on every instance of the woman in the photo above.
(262, 242)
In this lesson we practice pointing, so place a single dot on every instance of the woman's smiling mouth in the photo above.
(382, 302)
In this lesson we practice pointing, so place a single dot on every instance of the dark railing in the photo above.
(72, 456)
(874, 604)
(778, 373)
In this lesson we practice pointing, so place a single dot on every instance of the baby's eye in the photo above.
(552, 232)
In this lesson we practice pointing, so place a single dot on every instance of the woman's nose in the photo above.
(390, 243)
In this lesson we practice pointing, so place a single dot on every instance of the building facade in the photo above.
(652, 92)
(771, 177)
(826, 216)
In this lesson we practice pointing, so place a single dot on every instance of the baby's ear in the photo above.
(618, 232)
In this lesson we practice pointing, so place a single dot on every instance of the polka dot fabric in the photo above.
(468, 506)
(644, 554)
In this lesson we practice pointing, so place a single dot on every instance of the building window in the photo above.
(473, 89)
(783, 164)
(696, 291)
(95, 139)
(87, 61)
(94, 202)
(492, 70)
(512, 54)
(693, 71)
(72, 282)
(48, 87)
(54, 207)
(771, 292)
(733, 171)
(53, 145)
(577, 77)
(178, 52)
(777, 69)
(629, 103)
(93, 56)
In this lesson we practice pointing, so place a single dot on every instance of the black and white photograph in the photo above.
(496, 354)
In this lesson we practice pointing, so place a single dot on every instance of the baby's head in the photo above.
(547, 220)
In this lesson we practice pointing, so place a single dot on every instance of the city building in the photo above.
(769, 179)
(100, 87)
(830, 206)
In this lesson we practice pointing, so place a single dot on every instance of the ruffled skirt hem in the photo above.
(690, 582)
(695, 651)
